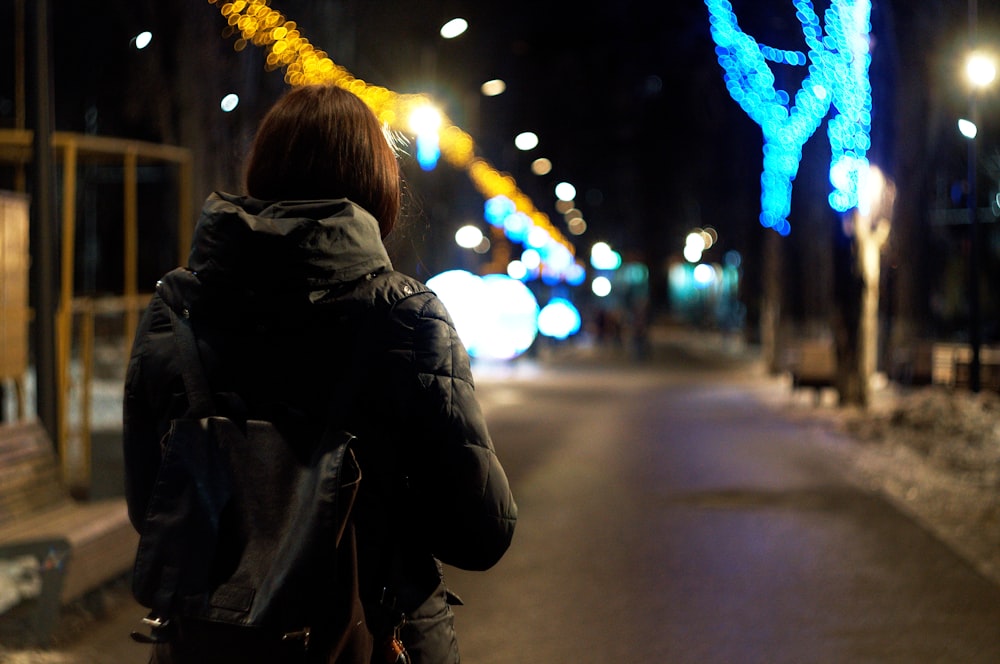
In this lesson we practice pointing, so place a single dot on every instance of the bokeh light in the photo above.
(517, 270)
(601, 286)
(565, 191)
(468, 236)
(968, 128)
(559, 319)
(704, 275)
(526, 140)
(603, 257)
(142, 40)
(461, 293)
(493, 87)
(531, 259)
(496, 316)
(229, 102)
(510, 322)
(541, 166)
(454, 28)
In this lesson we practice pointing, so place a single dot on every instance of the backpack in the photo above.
(248, 537)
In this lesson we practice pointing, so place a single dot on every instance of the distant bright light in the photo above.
(142, 39)
(565, 191)
(510, 322)
(541, 166)
(559, 319)
(704, 275)
(516, 226)
(461, 293)
(695, 240)
(558, 257)
(493, 88)
(538, 237)
(692, 254)
(428, 150)
(469, 236)
(980, 69)
(454, 28)
(531, 259)
(498, 208)
(603, 257)
(601, 286)
(230, 102)
(526, 140)
(968, 129)
(517, 270)
(576, 274)
(425, 120)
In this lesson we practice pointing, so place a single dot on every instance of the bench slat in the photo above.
(36, 506)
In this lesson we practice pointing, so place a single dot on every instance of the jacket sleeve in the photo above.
(468, 510)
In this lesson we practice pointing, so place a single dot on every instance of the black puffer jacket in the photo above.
(291, 302)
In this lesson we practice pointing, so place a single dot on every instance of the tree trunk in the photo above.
(770, 310)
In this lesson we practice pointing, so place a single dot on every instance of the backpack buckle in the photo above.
(161, 630)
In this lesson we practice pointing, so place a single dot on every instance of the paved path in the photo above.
(667, 516)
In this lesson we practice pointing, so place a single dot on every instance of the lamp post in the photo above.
(981, 72)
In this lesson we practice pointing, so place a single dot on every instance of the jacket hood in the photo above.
(249, 253)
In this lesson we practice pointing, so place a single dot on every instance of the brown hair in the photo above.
(323, 142)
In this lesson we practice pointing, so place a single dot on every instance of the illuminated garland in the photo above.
(837, 76)
(258, 24)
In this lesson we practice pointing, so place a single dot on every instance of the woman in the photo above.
(289, 290)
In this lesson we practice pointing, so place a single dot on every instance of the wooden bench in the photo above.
(35, 506)
(952, 365)
(812, 364)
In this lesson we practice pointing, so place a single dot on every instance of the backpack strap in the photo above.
(200, 403)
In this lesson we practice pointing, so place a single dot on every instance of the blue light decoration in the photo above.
(838, 60)
(496, 317)
(428, 150)
(559, 319)
(543, 257)
(498, 208)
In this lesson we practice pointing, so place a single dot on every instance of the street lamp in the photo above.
(981, 71)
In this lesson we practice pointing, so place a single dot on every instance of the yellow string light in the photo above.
(259, 24)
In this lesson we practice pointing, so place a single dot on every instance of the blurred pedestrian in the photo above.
(289, 287)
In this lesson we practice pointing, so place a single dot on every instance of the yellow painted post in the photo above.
(64, 318)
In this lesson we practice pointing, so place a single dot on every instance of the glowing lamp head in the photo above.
(981, 69)
(425, 119)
